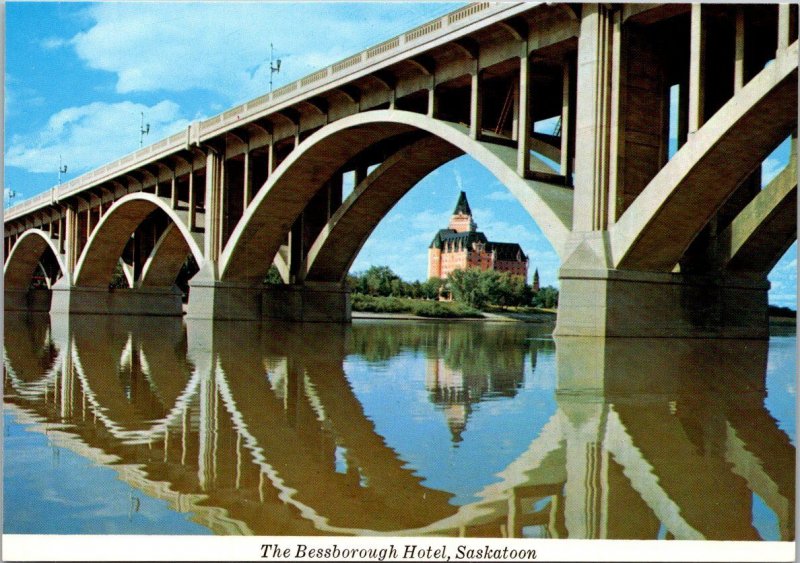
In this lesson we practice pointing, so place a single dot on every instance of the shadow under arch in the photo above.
(25, 256)
(107, 242)
(284, 196)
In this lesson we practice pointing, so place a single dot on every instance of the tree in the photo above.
(432, 288)
(274, 276)
(469, 286)
(377, 280)
(479, 288)
(546, 297)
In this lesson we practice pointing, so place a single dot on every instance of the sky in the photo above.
(81, 78)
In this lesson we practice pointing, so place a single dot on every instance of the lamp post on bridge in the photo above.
(62, 169)
(273, 67)
(144, 129)
(9, 195)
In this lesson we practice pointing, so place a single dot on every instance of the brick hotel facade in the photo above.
(462, 246)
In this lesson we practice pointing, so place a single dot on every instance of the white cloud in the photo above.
(89, 136)
(19, 98)
(429, 221)
(770, 168)
(51, 43)
(225, 47)
(459, 182)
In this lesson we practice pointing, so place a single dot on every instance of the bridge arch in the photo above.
(660, 224)
(269, 217)
(24, 258)
(107, 242)
(337, 246)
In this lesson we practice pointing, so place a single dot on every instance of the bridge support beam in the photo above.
(31, 300)
(309, 302)
(620, 303)
(157, 302)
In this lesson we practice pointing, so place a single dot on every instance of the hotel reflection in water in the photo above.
(261, 429)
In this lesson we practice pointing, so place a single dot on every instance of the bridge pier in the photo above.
(620, 303)
(31, 300)
(309, 302)
(159, 302)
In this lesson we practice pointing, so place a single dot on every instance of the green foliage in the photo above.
(118, 279)
(777, 311)
(474, 288)
(432, 288)
(434, 309)
(273, 276)
(382, 281)
(478, 288)
(546, 298)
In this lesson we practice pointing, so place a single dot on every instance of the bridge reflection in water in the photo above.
(414, 429)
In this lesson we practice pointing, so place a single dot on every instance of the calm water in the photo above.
(478, 429)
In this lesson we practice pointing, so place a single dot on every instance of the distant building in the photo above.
(462, 246)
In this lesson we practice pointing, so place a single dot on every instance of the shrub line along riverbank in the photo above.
(542, 318)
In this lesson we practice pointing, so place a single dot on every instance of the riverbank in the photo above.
(540, 318)
(783, 324)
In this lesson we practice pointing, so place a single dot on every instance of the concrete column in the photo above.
(270, 157)
(595, 91)
(71, 238)
(524, 123)
(247, 181)
(334, 194)
(696, 68)
(212, 210)
(432, 105)
(296, 250)
(173, 191)
(784, 20)
(616, 135)
(192, 199)
(566, 117)
(222, 208)
(738, 65)
(62, 239)
(475, 104)
(88, 223)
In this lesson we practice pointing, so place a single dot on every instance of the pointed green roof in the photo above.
(462, 206)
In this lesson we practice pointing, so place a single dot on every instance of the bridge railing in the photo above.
(281, 96)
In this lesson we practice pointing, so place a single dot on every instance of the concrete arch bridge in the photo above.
(658, 235)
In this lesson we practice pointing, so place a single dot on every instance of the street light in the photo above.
(273, 68)
(10, 194)
(144, 129)
(62, 169)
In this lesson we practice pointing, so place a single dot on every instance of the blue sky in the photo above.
(79, 75)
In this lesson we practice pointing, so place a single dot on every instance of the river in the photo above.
(171, 426)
